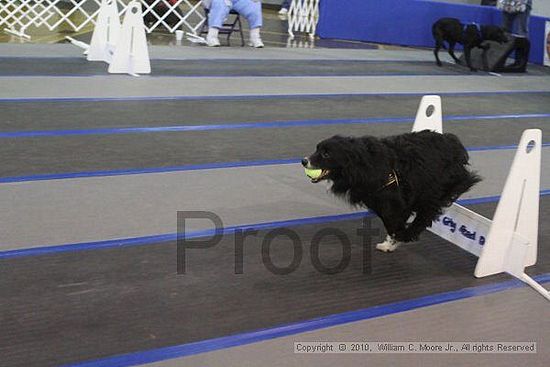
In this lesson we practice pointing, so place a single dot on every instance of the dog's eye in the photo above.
(325, 154)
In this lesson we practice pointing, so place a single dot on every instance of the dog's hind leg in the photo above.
(438, 46)
(422, 220)
(395, 222)
(452, 52)
(390, 244)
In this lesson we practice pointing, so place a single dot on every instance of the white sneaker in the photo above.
(212, 42)
(257, 43)
(255, 40)
(212, 38)
(283, 11)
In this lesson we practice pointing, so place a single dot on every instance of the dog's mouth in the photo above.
(324, 174)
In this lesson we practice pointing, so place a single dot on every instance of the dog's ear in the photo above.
(372, 147)
(353, 151)
(369, 164)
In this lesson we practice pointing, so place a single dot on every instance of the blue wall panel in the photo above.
(408, 22)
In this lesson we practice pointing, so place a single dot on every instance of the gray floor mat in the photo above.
(22, 116)
(45, 155)
(81, 67)
(91, 304)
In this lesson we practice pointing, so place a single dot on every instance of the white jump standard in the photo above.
(131, 55)
(509, 242)
(106, 33)
(124, 47)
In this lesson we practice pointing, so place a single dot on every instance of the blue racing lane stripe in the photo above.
(218, 60)
(138, 171)
(193, 167)
(264, 96)
(254, 125)
(209, 345)
(256, 75)
(169, 237)
(500, 147)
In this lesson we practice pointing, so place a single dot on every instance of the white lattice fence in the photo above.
(174, 15)
(303, 16)
(18, 15)
(292, 42)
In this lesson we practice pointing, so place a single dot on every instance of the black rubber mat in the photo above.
(19, 116)
(72, 307)
(79, 66)
(61, 154)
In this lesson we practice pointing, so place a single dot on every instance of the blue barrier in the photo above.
(409, 22)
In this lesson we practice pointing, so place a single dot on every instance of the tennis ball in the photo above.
(313, 173)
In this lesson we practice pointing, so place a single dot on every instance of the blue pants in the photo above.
(522, 19)
(250, 9)
(286, 4)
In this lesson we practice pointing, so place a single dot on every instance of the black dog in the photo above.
(411, 174)
(450, 30)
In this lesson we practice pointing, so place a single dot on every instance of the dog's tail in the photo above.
(454, 146)
(463, 183)
(462, 178)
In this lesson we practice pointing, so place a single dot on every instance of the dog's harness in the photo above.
(392, 179)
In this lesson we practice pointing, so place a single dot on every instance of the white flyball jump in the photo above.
(123, 48)
(131, 53)
(106, 33)
(509, 242)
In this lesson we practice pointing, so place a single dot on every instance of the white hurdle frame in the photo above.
(509, 242)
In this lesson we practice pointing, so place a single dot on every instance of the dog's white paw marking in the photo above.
(389, 245)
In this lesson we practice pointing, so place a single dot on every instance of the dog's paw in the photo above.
(439, 63)
(389, 245)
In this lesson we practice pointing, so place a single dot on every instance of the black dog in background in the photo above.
(411, 174)
(452, 31)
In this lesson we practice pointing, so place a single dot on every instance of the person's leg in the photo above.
(218, 13)
(508, 22)
(219, 10)
(523, 32)
(523, 23)
(252, 11)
